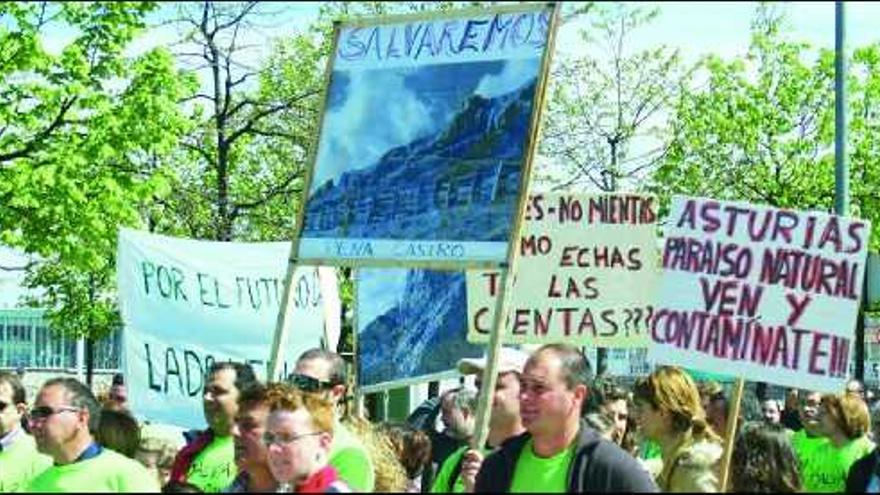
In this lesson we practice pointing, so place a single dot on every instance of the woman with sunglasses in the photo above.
(299, 435)
(669, 412)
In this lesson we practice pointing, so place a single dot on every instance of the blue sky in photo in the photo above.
(378, 290)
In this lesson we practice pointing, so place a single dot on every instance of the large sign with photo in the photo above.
(424, 138)
(758, 292)
(187, 304)
(587, 273)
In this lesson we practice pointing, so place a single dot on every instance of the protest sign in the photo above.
(411, 326)
(587, 273)
(759, 292)
(187, 303)
(424, 138)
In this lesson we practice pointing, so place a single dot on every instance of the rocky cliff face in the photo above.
(484, 142)
(424, 333)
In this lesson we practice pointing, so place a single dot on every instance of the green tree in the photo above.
(762, 130)
(77, 157)
(605, 122)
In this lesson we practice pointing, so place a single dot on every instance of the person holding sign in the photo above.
(208, 462)
(845, 422)
(63, 419)
(669, 412)
(19, 460)
(323, 372)
(458, 473)
(558, 452)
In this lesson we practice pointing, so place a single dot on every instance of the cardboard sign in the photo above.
(411, 324)
(424, 139)
(758, 292)
(186, 304)
(586, 275)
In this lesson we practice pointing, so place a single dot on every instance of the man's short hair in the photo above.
(604, 390)
(252, 396)
(338, 373)
(575, 367)
(244, 373)
(80, 397)
(18, 393)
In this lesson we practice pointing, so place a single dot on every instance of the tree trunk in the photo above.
(90, 361)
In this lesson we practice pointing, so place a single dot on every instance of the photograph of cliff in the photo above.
(411, 323)
(423, 153)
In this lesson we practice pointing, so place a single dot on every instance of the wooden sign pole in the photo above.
(730, 435)
(484, 405)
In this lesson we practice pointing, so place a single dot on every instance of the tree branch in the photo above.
(269, 195)
(38, 139)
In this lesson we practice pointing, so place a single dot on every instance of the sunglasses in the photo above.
(269, 439)
(309, 384)
(43, 412)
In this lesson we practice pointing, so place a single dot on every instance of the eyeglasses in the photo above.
(308, 384)
(43, 412)
(269, 438)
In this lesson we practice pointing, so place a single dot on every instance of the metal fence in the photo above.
(26, 340)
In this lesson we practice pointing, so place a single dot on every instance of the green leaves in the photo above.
(763, 128)
(78, 159)
(603, 103)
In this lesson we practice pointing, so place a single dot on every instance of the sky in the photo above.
(695, 28)
(382, 288)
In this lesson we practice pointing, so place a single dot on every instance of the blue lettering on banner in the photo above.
(431, 39)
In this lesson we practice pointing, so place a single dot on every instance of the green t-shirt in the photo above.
(441, 483)
(827, 467)
(214, 468)
(351, 460)
(650, 449)
(107, 472)
(20, 463)
(805, 447)
(537, 474)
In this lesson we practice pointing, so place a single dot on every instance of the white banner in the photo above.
(187, 303)
(759, 292)
(587, 275)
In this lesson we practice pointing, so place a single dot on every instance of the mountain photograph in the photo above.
(411, 323)
(437, 155)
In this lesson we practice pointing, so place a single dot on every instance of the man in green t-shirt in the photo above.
(323, 372)
(458, 473)
(809, 438)
(19, 460)
(63, 420)
(208, 462)
(559, 452)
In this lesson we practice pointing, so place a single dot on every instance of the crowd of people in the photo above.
(553, 427)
